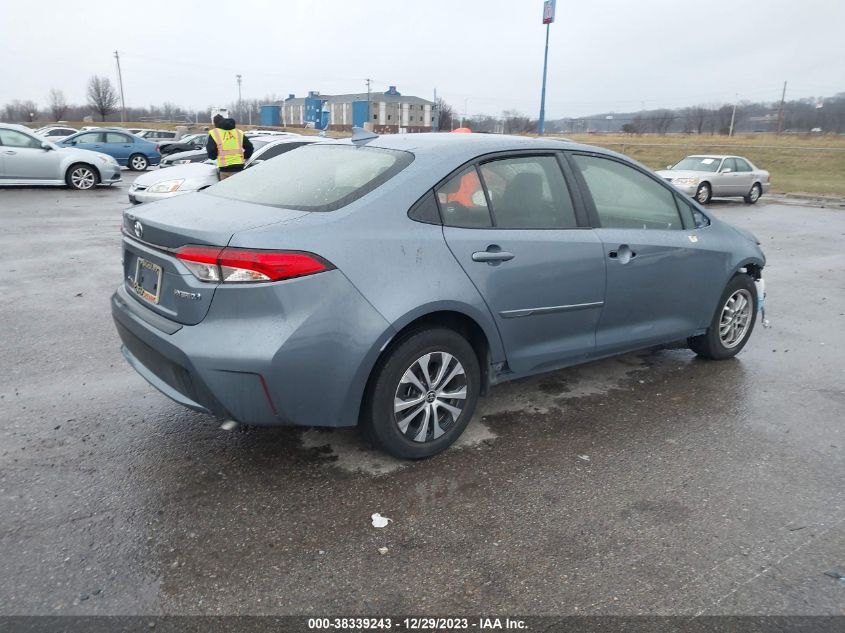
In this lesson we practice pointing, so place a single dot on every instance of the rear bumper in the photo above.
(290, 353)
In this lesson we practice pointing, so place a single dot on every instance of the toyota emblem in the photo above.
(139, 229)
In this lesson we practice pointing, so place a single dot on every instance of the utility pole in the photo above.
(780, 110)
(548, 18)
(369, 114)
(120, 83)
(435, 116)
(240, 103)
(733, 116)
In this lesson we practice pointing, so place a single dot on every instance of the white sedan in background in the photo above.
(189, 178)
(706, 176)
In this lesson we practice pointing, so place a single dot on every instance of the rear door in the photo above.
(744, 176)
(661, 284)
(119, 146)
(512, 225)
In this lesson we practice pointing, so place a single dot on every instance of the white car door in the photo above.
(25, 159)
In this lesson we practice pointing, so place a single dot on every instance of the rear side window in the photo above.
(528, 193)
(114, 137)
(625, 198)
(316, 178)
(462, 201)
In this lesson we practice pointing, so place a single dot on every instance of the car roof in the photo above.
(716, 156)
(15, 126)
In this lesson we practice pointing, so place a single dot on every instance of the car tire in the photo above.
(754, 195)
(82, 177)
(731, 325)
(137, 162)
(703, 193)
(413, 371)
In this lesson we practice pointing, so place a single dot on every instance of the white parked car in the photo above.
(189, 178)
(27, 159)
(55, 132)
(706, 176)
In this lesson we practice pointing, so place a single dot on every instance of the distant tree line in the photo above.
(801, 115)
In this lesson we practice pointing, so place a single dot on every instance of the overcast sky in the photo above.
(485, 55)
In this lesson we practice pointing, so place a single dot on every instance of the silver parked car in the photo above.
(26, 159)
(708, 176)
(190, 177)
(55, 132)
(390, 281)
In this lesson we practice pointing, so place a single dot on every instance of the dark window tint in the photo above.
(114, 137)
(742, 165)
(462, 201)
(528, 193)
(691, 216)
(279, 149)
(166, 135)
(89, 137)
(626, 198)
(425, 210)
(316, 178)
(13, 138)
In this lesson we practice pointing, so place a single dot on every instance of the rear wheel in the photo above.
(138, 162)
(703, 193)
(423, 394)
(754, 195)
(81, 176)
(732, 324)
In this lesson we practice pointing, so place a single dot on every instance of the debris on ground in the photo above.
(584, 458)
(382, 550)
(380, 521)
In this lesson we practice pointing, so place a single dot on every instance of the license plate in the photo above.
(147, 281)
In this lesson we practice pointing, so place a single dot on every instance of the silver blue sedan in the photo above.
(391, 281)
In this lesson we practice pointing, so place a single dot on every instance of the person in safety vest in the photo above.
(227, 146)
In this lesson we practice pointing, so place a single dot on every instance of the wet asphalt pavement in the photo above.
(654, 483)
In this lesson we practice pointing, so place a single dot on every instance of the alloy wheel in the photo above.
(83, 178)
(430, 397)
(736, 318)
(139, 163)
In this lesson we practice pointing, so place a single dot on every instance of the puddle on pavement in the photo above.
(344, 448)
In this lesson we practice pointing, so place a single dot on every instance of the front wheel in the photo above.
(81, 177)
(138, 162)
(423, 394)
(754, 195)
(703, 193)
(732, 324)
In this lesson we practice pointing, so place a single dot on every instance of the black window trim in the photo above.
(581, 215)
(588, 197)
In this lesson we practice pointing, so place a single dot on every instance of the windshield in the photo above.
(699, 163)
(316, 177)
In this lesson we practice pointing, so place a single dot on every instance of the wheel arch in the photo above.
(74, 163)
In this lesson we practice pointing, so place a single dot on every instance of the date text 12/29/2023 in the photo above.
(417, 624)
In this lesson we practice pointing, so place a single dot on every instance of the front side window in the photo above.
(528, 193)
(462, 201)
(13, 138)
(728, 165)
(88, 137)
(316, 178)
(625, 198)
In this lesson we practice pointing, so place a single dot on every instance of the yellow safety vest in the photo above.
(230, 146)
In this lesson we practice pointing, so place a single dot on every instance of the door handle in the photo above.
(624, 254)
(493, 255)
(9, 153)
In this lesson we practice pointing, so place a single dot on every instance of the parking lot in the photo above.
(653, 483)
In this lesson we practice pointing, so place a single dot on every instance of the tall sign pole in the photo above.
(548, 18)
(120, 82)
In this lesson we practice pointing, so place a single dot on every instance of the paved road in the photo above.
(654, 483)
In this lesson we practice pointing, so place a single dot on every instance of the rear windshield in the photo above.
(315, 177)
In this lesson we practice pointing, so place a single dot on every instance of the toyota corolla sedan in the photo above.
(705, 177)
(389, 282)
(26, 159)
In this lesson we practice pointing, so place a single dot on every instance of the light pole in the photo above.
(240, 107)
(548, 18)
(733, 116)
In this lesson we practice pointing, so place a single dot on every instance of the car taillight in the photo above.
(243, 265)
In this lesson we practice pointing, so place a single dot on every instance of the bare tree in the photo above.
(58, 104)
(102, 96)
(446, 114)
(516, 122)
(18, 111)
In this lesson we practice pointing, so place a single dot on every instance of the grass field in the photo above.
(797, 164)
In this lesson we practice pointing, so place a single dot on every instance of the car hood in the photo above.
(683, 173)
(193, 173)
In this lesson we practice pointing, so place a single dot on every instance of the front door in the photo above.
(660, 281)
(511, 224)
(25, 159)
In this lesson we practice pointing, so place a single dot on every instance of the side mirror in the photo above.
(727, 170)
(668, 166)
(46, 147)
